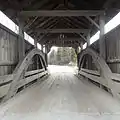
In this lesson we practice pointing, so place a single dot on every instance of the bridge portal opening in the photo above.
(64, 56)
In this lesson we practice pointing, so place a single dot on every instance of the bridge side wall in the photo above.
(9, 50)
(112, 41)
(113, 49)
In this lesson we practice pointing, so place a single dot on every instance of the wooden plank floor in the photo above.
(61, 97)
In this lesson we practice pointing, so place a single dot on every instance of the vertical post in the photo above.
(42, 47)
(78, 55)
(88, 39)
(46, 57)
(81, 45)
(89, 59)
(21, 41)
(35, 43)
(37, 58)
(102, 37)
(102, 40)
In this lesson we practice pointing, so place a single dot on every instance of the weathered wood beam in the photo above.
(93, 72)
(7, 63)
(45, 22)
(41, 37)
(33, 72)
(59, 13)
(62, 30)
(7, 30)
(75, 22)
(35, 43)
(93, 22)
(83, 37)
(102, 37)
(88, 39)
(51, 24)
(94, 78)
(71, 23)
(105, 71)
(46, 55)
(31, 78)
(66, 39)
(113, 61)
(21, 41)
(20, 70)
(42, 24)
(75, 45)
(81, 45)
(42, 48)
(63, 41)
(29, 24)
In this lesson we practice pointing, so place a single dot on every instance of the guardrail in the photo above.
(5, 81)
(103, 76)
(10, 84)
(95, 76)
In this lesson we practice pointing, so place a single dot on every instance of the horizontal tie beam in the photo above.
(61, 13)
(62, 30)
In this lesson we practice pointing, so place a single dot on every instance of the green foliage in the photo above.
(63, 56)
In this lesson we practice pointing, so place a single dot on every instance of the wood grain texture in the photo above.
(61, 96)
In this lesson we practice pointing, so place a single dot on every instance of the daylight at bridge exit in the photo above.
(59, 59)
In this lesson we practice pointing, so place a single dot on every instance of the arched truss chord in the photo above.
(105, 76)
(20, 70)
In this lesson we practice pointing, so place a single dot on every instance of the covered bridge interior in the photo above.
(84, 24)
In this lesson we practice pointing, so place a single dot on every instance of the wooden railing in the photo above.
(95, 76)
(6, 80)
(103, 75)
(9, 84)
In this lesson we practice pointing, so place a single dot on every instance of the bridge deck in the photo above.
(61, 96)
